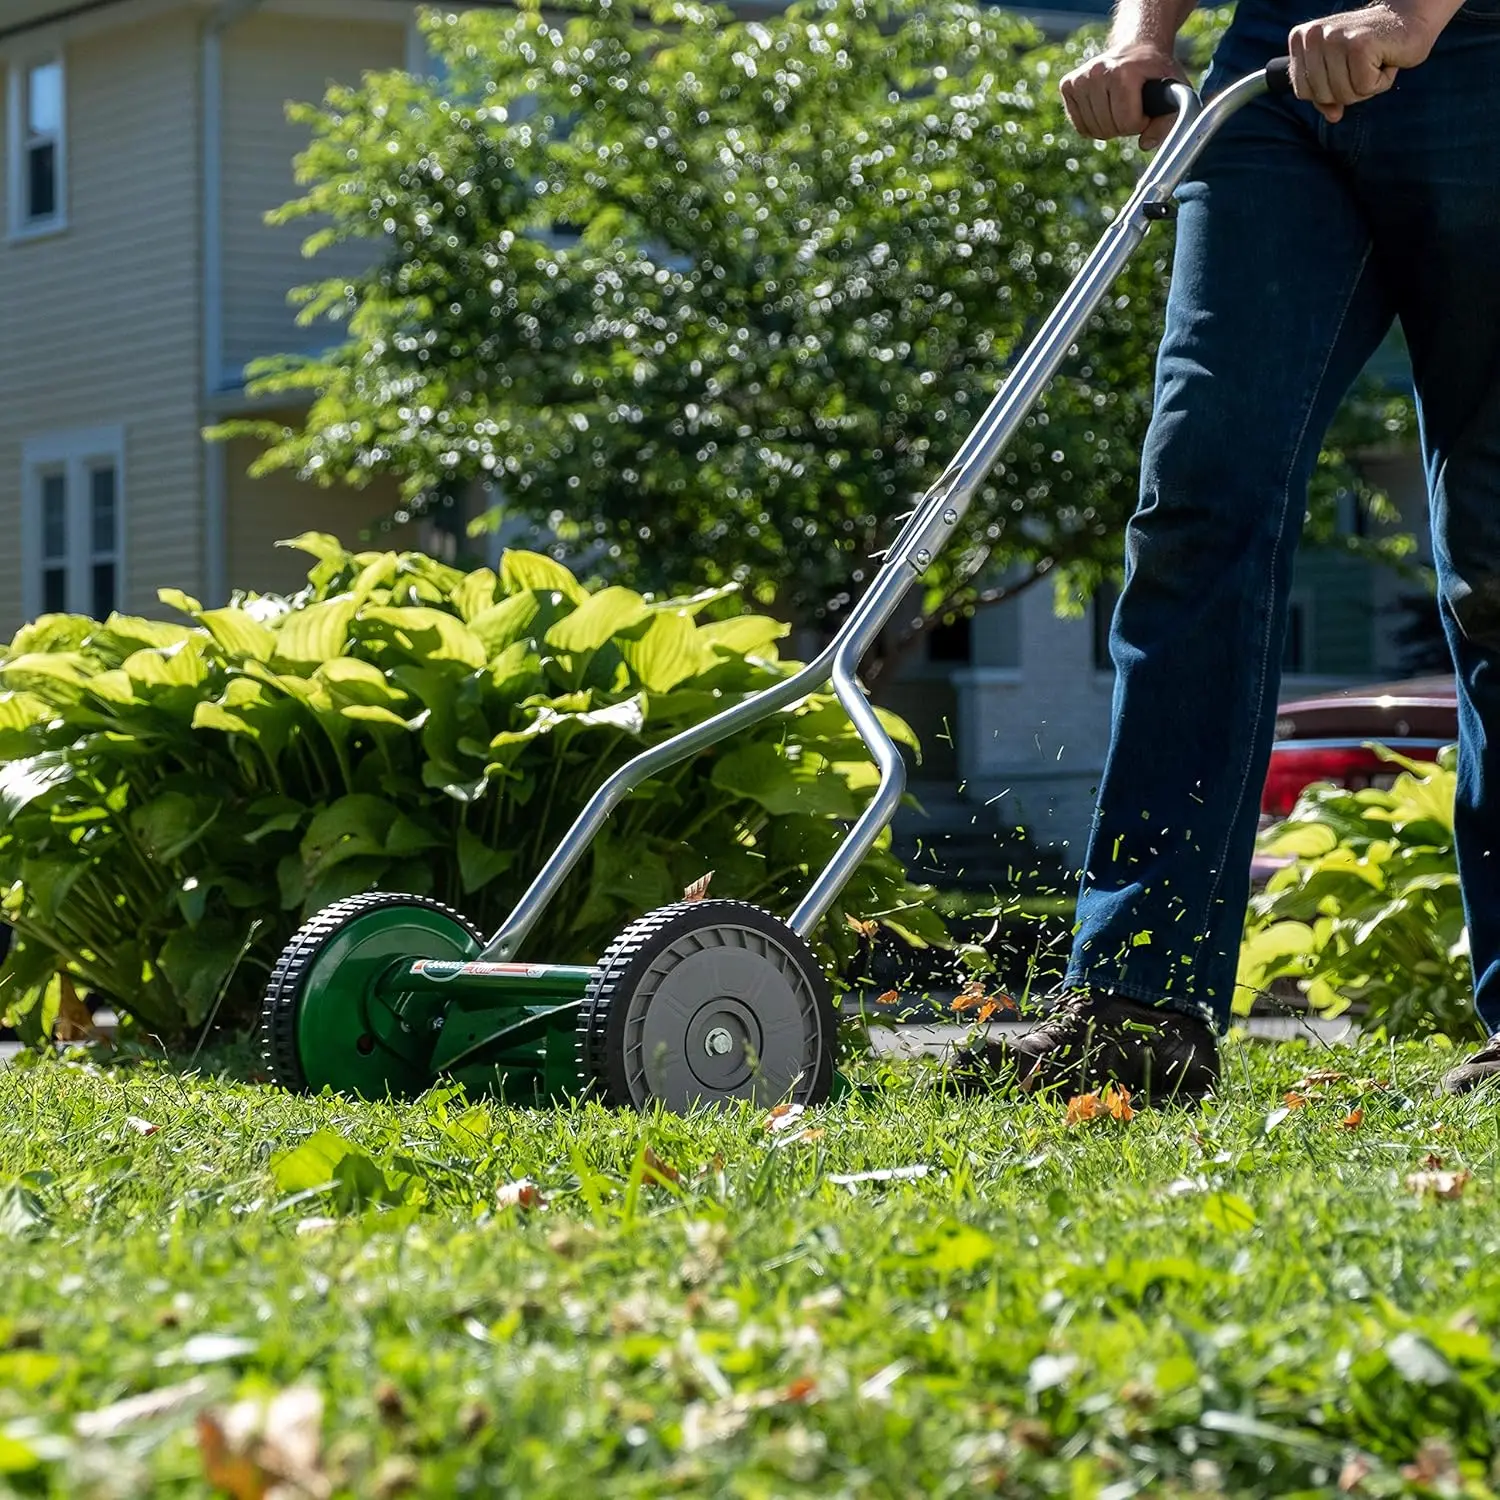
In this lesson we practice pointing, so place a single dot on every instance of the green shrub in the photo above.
(176, 798)
(1369, 909)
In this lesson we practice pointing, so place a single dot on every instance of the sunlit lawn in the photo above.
(1247, 1299)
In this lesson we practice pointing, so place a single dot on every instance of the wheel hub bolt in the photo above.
(718, 1042)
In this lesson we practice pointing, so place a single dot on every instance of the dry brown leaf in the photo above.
(657, 1171)
(974, 989)
(783, 1117)
(1433, 1464)
(523, 1193)
(397, 1475)
(966, 1001)
(801, 1389)
(888, 997)
(572, 1240)
(473, 1418)
(1438, 1184)
(140, 1126)
(1316, 1077)
(1032, 1434)
(862, 926)
(699, 888)
(1293, 1100)
(985, 1011)
(1355, 1471)
(266, 1450)
(1083, 1107)
(73, 1023)
(233, 1474)
(1354, 1119)
(1432, 1162)
(389, 1402)
(1116, 1102)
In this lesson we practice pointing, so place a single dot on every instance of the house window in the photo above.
(951, 642)
(1353, 519)
(54, 495)
(72, 525)
(37, 130)
(1294, 651)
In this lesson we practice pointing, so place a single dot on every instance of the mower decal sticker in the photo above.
(449, 968)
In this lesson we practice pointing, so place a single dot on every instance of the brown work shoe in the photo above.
(1481, 1068)
(1090, 1040)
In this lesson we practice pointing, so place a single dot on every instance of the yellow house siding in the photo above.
(269, 60)
(261, 512)
(99, 325)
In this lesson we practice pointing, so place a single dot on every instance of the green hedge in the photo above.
(176, 798)
(1368, 910)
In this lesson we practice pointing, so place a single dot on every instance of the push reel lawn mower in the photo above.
(699, 1002)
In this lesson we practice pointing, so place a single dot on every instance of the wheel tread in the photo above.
(608, 987)
(277, 1029)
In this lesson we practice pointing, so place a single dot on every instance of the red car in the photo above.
(1324, 738)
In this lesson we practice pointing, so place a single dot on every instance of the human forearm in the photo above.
(1156, 23)
(1429, 16)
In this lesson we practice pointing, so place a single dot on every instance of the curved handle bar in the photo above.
(1159, 95)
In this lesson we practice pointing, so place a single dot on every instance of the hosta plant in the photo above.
(1368, 908)
(176, 797)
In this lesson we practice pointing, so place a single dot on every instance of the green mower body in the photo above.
(382, 995)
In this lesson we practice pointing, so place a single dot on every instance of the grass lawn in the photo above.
(1247, 1299)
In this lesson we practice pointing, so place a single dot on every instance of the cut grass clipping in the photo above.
(207, 1287)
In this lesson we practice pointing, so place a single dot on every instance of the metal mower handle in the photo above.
(1158, 96)
(922, 537)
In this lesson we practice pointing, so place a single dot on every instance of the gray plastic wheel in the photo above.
(706, 1002)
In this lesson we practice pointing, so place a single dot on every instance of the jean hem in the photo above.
(1183, 1005)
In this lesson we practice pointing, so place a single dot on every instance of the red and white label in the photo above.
(449, 967)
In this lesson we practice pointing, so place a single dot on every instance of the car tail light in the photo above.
(1295, 767)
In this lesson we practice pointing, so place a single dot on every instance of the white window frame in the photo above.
(76, 453)
(18, 225)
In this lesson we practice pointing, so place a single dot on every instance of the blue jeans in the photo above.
(1298, 245)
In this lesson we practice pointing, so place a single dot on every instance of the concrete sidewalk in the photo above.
(932, 1038)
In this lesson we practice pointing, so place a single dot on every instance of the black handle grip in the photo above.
(1156, 93)
(1156, 98)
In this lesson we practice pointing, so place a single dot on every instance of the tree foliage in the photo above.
(713, 301)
